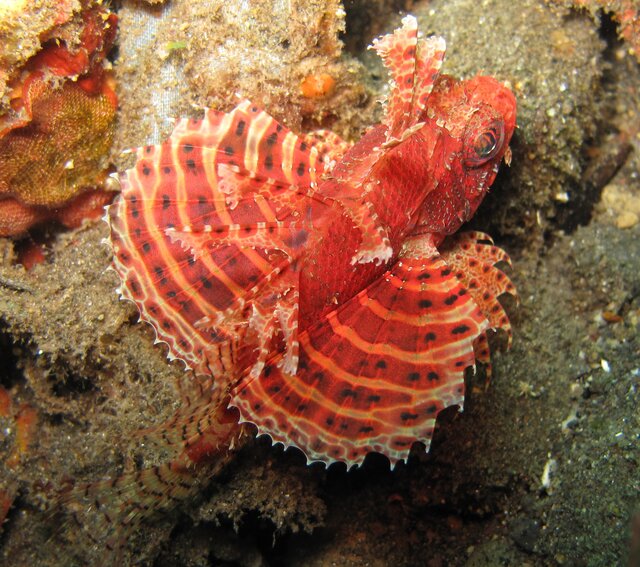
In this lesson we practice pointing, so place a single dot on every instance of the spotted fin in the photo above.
(250, 141)
(107, 512)
(414, 65)
(473, 257)
(373, 374)
(207, 227)
(104, 514)
(193, 420)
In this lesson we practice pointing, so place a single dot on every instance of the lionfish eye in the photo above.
(484, 146)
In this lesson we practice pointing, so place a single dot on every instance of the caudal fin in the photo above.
(107, 512)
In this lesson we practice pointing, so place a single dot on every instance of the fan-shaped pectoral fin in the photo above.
(373, 374)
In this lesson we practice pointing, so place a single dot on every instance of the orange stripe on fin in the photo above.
(354, 392)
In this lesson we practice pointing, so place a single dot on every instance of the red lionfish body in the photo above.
(309, 278)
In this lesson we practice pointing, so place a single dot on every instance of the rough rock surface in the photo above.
(179, 57)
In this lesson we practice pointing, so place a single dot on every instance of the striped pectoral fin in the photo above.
(251, 143)
(373, 374)
(184, 254)
(184, 285)
(105, 514)
(204, 412)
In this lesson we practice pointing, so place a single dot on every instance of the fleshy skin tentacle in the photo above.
(414, 65)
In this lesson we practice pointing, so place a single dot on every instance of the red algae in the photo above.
(57, 130)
